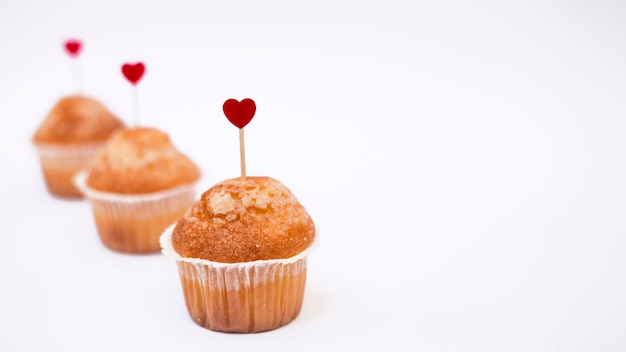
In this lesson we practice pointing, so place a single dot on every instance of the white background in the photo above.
(463, 160)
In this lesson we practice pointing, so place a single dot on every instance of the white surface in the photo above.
(465, 159)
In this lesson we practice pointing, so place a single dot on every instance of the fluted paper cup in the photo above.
(59, 165)
(240, 297)
(133, 223)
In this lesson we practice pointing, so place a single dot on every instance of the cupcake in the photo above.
(74, 131)
(241, 252)
(137, 187)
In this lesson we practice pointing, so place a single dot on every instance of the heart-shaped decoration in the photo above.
(239, 113)
(133, 72)
(73, 46)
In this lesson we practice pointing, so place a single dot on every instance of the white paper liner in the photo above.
(245, 297)
(134, 223)
(59, 164)
(168, 250)
(80, 180)
(77, 150)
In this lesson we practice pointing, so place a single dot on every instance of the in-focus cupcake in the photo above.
(75, 130)
(241, 252)
(138, 186)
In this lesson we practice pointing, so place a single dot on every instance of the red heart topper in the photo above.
(133, 72)
(73, 46)
(239, 113)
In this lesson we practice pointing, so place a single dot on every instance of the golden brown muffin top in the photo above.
(140, 160)
(241, 221)
(77, 119)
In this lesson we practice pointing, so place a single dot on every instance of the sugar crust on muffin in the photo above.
(141, 160)
(77, 119)
(244, 220)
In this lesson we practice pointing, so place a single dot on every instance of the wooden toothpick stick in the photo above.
(133, 73)
(136, 105)
(242, 155)
(240, 113)
(73, 48)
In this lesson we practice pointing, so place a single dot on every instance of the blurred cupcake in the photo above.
(138, 186)
(241, 252)
(74, 131)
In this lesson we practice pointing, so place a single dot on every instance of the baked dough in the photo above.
(76, 120)
(141, 160)
(244, 220)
